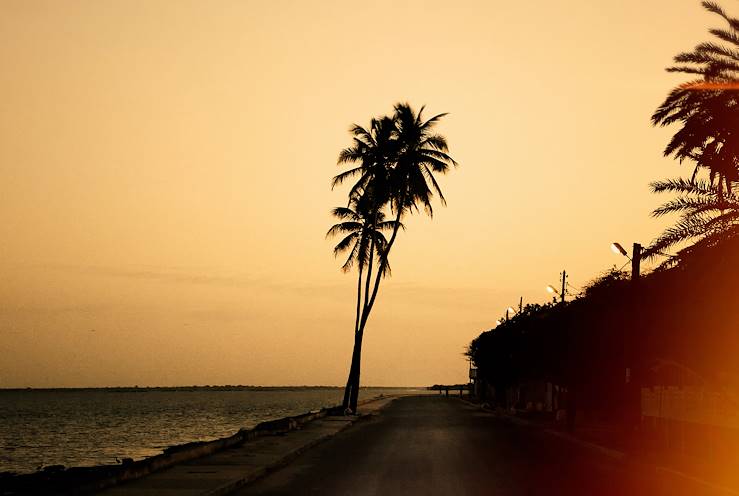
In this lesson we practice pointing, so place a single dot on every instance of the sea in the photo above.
(88, 427)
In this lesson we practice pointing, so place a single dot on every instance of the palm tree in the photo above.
(363, 236)
(706, 213)
(373, 149)
(398, 158)
(707, 107)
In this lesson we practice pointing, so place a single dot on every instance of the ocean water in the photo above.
(97, 426)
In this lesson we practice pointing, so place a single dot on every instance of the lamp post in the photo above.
(635, 258)
(552, 290)
(511, 310)
(633, 400)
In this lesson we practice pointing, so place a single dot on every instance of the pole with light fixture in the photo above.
(633, 400)
(635, 258)
(551, 289)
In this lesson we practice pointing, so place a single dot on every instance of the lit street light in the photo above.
(552, 290)
(635, 258)
(617, 248)
(511, 310)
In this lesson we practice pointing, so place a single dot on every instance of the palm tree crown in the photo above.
(707, 107)
(420, 154)
(360, 229)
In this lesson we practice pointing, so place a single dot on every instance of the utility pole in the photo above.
(632, 383)
(635, 262)
(520, 304)
(635, 267)
(564, 285)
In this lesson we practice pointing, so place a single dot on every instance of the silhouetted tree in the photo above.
(372, 149)
(397, 158)
(362, 229)
(705, 212)
(707, 107)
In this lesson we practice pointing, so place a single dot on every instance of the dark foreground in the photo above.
(435, 445)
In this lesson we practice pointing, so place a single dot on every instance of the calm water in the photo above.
(92, 427)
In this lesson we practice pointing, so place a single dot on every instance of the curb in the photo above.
(234, 485)
(608, 452)
(696, 480)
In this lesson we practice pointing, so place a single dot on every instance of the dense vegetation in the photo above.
(677, 325)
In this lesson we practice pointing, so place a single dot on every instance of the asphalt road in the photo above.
(435, 445)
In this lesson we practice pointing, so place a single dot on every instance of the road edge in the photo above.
(603, 450)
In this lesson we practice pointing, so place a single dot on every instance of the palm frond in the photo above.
(727, 36)
(345, 213)
(342, 228)
(682, 185)
(340, 178)
(344, 244)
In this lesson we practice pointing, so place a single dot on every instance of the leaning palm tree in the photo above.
(706, 213)
(707, 107)
(398, 159)
(372, 150)
(363, 237)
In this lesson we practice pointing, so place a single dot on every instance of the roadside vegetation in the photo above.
(677, 324)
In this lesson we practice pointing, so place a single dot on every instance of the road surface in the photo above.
(432, 445)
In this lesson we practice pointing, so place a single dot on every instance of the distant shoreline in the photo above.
(143, 389)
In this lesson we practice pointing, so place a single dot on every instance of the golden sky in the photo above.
(165, 168)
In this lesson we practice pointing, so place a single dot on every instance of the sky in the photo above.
(165, 177)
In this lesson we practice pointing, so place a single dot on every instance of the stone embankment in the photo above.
(207, 467)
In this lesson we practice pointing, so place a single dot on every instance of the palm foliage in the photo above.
(393, 164)
(705, 212)
(359, 230)
(707, 107)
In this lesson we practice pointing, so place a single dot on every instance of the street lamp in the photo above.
(617, 248)
(635, 257)
(552, 290)
(631, 384)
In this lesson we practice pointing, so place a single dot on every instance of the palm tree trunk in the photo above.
(383, 262)
(352, 384)
(354, 396)
(347, 389)
(354, 373)
(369, 263)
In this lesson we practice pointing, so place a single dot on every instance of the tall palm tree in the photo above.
(372, 150)
(707, 107)
(706, 213)
(363, 238)
(398, 159)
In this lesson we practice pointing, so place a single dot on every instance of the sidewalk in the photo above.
(227, 470)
